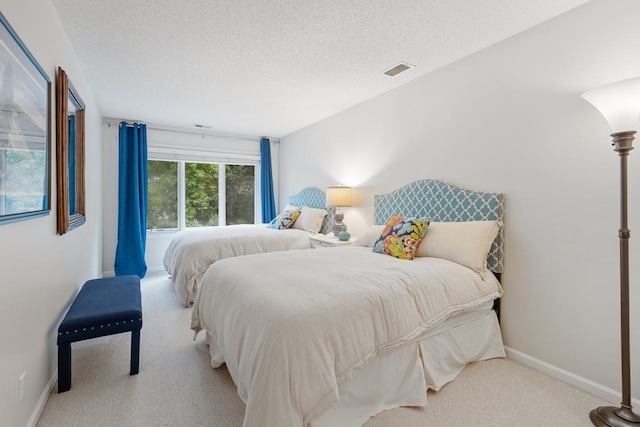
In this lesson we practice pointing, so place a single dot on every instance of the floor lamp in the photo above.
(619, 103)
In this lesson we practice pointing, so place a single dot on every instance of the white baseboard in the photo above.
(155, 269)
(42, 402)
(582, 383)
(44, 397)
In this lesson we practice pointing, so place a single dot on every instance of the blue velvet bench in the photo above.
(102, 307)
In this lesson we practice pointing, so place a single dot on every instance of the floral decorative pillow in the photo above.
(401, 237)
(285, 220)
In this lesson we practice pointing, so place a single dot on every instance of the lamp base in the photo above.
(611, 416)
(338, 227)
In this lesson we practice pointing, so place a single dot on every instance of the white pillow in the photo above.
(289, 208)
(370, 237)
(465, 243)
(310, 219)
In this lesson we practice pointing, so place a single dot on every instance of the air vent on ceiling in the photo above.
(199, 126)
(397, 69)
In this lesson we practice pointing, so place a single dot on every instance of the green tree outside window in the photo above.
(201, 188)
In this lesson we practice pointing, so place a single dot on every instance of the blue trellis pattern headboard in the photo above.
(442, 202)
(314, 198)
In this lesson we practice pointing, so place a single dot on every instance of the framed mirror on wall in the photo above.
(25, 136)
(69, 155)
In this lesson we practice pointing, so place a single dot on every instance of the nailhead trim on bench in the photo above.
(102, 326)
(102, 307)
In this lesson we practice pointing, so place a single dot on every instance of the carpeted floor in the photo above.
(177, 387)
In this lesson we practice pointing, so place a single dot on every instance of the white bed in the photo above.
(193, 250)
(330, 338)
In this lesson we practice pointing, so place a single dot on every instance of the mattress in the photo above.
(293, 327)
(193, 250)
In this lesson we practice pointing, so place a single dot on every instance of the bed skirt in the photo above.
(401, 377)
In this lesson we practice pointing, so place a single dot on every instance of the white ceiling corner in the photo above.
(272, 67)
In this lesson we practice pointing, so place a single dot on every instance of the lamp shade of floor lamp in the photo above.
(619, 103)
(338, 197)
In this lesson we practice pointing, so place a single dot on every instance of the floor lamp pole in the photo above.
(623, 416)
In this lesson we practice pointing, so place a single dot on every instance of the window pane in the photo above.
(162, 196)
(240, 194)
(201, 194)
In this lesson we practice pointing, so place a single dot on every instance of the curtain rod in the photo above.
(245, 138)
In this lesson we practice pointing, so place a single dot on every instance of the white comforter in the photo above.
(192, 251)
(292, 326)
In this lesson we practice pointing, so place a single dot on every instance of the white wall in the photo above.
(510, 119)
(40, 272)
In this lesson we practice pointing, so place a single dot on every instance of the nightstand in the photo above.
(328, 241)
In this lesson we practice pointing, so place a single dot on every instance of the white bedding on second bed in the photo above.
(294, 326)
(193, 250)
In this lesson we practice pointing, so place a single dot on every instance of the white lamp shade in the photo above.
(618, 102)
(339, 196)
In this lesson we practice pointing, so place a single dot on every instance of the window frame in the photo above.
(222, 200)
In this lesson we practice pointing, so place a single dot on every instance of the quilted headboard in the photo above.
(314, 198)
(440, 201)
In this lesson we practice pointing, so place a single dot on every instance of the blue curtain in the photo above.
(72, 164)
(266, 180)
(132, 200)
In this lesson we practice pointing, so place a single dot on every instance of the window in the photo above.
(201, 194)
(162, 195)
(240, 191)
(198, 194)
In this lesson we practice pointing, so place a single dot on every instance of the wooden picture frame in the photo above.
(70, 134)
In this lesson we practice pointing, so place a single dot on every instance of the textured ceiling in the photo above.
(270, 68)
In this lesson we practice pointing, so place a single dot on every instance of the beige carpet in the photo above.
(177, 387)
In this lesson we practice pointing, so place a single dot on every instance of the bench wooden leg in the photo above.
(135, 351)
(64, 367)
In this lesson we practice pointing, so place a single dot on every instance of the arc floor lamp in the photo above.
(619, 103)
